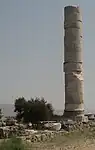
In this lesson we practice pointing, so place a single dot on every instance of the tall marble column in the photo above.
(73, 62)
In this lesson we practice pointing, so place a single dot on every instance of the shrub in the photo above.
(12, 144)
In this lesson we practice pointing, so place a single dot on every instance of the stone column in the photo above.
(73, 62)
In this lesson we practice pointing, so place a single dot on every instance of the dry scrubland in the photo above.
(77, 140)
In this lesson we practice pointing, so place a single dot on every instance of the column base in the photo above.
(73, 114)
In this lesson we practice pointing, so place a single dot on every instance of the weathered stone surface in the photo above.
(53, 126)
(73, 62)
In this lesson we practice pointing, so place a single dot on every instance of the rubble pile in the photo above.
(40, 136)
(71, 126)
(9, 131)
(21, 130)
(46, 132)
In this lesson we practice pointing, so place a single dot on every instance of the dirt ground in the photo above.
(77, 140)
(76, 146)
(74, 141)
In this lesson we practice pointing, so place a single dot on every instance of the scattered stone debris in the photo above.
(53, 126)
(43, 131)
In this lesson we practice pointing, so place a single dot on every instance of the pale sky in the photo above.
(31, 50)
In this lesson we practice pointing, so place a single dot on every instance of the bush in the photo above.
(12, 144)
(33, 110)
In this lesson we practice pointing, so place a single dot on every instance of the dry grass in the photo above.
(12, 144)
(73, 140)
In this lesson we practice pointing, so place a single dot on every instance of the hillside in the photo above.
(8, 109)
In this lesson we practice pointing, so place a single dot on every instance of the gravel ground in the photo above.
(74, 141)
(79, 144)
(77, 140)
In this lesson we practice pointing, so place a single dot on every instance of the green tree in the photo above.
(19, 107)
(33, 110)
(1, 115)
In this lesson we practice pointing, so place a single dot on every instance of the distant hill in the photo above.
(8, 109)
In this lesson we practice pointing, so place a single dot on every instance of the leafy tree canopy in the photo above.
(33, 110)
(1, 114)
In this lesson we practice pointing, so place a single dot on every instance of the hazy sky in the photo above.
(31, 50)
